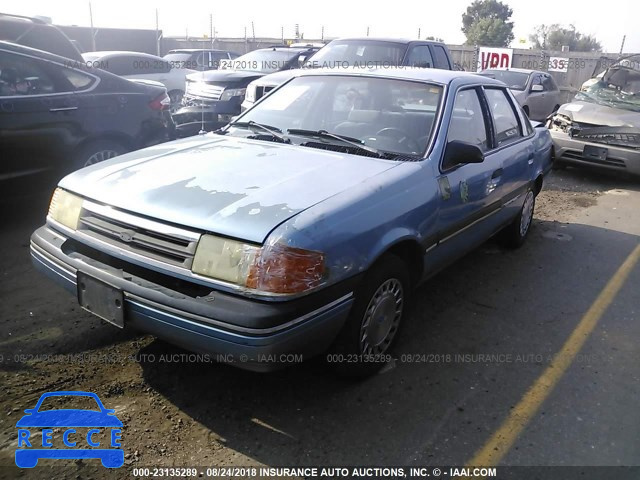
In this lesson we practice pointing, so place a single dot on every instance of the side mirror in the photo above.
(459, 153)
(537, 88)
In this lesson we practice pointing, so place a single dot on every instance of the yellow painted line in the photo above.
(502, 440)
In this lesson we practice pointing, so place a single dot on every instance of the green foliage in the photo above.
(554, 37)
(486, 22)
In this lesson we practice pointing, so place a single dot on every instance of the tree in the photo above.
(554, 37)
(486, 22)
(434, 39)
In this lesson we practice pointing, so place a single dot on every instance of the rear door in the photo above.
(512, 147)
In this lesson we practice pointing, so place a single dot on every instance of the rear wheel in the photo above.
(97, 151)
(514, 234)
(381, 301)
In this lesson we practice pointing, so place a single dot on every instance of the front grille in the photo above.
(204, 90)
(144, 237)
(576, 155)
(622, 139)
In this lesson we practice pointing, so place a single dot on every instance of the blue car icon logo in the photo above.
(103, 429)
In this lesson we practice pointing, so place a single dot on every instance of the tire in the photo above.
(515, 234)
(373, 323)
(96, 152)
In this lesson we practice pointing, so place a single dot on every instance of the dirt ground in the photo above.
(178, 411)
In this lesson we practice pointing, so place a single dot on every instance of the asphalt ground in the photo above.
(507, 358)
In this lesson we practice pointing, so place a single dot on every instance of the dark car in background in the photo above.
(58, 115)
(198, 58)
(213, 97)
(364, 52)
(35, 33)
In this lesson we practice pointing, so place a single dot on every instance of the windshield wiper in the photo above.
(354, 142)
(275, 132)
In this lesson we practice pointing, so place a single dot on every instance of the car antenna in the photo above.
(202, 132)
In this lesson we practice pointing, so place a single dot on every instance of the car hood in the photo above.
(223, 76)
(69, 418)
(601, 115)
(232, 186)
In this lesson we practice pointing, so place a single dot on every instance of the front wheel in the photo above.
(514, 234)
(96, 152)
(362, 346)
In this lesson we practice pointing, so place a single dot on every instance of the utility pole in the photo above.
(624, 37)
(322, 34)
(282, 33)
(211, 29)
(93, 33)
(418, 33)
(253, 31)
(157, 35)
(367, 31)
(297, 32)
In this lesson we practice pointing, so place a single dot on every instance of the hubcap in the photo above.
(527, 214)
(100, 156)
(382, 317)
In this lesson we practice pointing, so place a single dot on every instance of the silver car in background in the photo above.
(536, 91)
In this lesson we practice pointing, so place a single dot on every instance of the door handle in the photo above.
(531, 158)
(62, 109)
(498, 173)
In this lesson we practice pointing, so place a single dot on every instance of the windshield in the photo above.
(358, 54)
(177, 57)
(265, 61)
(395, 116)
(618, 88)
(514, 80)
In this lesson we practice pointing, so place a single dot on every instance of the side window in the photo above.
(442, 60)
(467, 121)
(537, 80)
(420, 56)
(20, 76)
(77, 79)
(504, 116)
(548, 83)
(119, 65)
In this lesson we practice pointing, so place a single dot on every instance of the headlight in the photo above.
(272, 268)
(224, 259)
(232, 92)
(250, 95)
(65, 208)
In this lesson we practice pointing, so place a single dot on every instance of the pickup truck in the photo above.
(361, 52)
(304, 225)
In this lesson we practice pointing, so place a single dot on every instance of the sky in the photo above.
(608, 20)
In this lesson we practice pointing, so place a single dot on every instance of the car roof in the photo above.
(430, 75)
(116, 53)
(191, 50)
(517, 70)
(401, 40)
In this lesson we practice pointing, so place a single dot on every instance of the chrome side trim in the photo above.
(449, 237)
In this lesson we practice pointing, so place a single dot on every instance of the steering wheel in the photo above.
(400, 137)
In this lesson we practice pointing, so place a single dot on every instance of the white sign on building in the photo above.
(490, 57)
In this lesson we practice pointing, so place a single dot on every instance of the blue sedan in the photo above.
(304, 225)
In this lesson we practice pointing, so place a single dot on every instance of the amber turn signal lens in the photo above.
(285, 270)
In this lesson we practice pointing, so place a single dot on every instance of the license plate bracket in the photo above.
(101, 299)
(591, 152)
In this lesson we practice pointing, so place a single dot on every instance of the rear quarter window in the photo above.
(441, 57)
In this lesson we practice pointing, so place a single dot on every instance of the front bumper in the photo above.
(248, 333)
(208, 115)
(570, 150)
